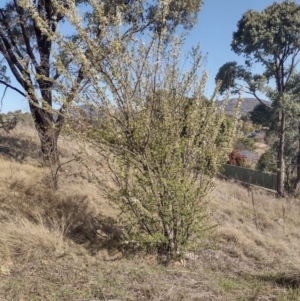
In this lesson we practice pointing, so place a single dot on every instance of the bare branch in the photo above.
(12, 87)
(292, 67)
(255, 95)
(10, 35)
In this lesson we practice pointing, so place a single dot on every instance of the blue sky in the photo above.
(216, 23)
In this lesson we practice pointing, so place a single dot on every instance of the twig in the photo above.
(283, 218)
(254, 211)
(62, 165)
(188, 272)
(54, 177)
(100, 289)
(2, 98)
(12, 87)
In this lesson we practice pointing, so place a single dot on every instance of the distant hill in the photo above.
(247, 105)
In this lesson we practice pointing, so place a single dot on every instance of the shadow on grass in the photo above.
(287, 280)
(19, 149)
(72, 215)
(290, 280)
(94, 233)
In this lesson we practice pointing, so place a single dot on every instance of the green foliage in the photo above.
(9, 121)
(45, 61)
(262, 115)
(247, 126)
(228, 74)
(291, 152)
(164, 176)
(244, 143)
(267, 162)
(162, 145)
(272, 39)
(3, 75)
(224, 134)
(258, 32)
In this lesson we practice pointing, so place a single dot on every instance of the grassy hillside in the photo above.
(66, 244)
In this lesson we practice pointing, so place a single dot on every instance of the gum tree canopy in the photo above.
(35, 49)
(270, 38)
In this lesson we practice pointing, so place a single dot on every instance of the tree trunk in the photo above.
(48, 130)
(49, 138)
(280, 158)
(297, 183)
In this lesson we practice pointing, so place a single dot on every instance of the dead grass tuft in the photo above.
(58, 216)
(36, 221)
(23, 240)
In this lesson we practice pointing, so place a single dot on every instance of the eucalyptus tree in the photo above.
(8, 122)
(262, 115)
(35, 48)
(270, 38)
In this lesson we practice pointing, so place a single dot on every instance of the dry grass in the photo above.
(264, 228)
(26, 241)
(66, 245)
(260, 148)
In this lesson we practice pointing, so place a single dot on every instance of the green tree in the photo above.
(8, 122)
(36, 51)
(244, 143)
(226, 127)
(267, 162)
(272, 39)
(262, 115)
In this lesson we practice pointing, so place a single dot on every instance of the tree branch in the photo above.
(292, 67)
(12, 66)
(7, 47)
(12, 87)
(10, 35)
(74, 89)
(254, 94)
(20, 12)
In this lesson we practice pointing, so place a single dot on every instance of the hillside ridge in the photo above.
(247, 105)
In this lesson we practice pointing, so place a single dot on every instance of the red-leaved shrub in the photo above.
(237, 159)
